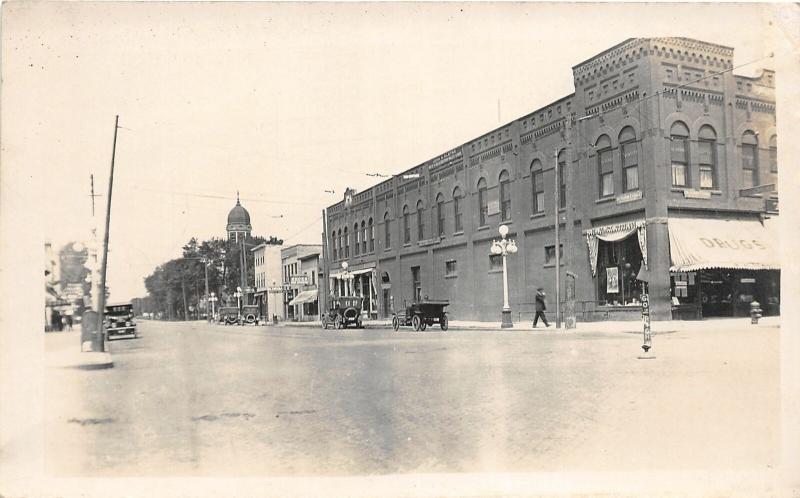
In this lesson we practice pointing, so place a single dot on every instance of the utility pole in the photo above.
(558, 244)
(101, 298)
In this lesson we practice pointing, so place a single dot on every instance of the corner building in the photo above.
(653, 152)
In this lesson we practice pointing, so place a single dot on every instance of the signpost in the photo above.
(644, 278)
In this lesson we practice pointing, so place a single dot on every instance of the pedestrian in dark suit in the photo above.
(540, 307)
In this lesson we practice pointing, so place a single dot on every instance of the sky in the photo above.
(282, 102)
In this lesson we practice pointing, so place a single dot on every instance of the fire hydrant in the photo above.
(755, 312)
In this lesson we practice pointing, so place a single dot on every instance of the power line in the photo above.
(223, 197)
(303, 229)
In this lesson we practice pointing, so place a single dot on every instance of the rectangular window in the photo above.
(773, 159)
(505, 201)
(749, 166)
(562, 185)
(707, 162)
(550, 254)
(416, 283)
(606, 167)
(679, 155)
(630, 167)
(483, 202)
(458, 226)
(495, 262)
(450, 268)
(538, 192)
(420, 224)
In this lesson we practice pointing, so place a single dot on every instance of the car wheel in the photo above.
(423, 326)
(395, 323)
(443, 322)
(416, 322)
(337, 324)
(324, 323)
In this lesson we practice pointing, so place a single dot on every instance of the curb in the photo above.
(80, 361)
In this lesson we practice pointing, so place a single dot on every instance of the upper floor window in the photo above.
(707, 157)
(387, 230)
(749, 160)
(458, 225)
(605, 166)
(371, 236)
(406, 227)
(420, 221)
(333, 245)
(363, 237)
(440, 215)
(773, 154)
(505, 196)
(562, 179)
(679, 154)
(537, 186)
(630, 159)
(346, 244)
(356, 239)
(483, 202)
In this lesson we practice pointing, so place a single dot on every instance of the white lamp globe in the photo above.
(344, 265)
(512, 247)
(503, 230)
(496, 248)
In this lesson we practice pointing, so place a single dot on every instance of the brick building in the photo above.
(653, 149)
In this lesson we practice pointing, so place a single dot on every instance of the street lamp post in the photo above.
(238, 295)
(504, 247)
(346, 276)
(213, 298)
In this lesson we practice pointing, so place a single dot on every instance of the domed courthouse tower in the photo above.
(239, 226)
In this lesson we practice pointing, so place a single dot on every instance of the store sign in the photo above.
(612, 280)
(691, 193)
(747, 280)
(629, 197)
(298, 279)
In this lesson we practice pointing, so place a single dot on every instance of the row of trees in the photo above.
(176, 289)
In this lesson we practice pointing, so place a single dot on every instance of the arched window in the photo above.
(458, 225)
(483, 202)
(537, 187)
(605, 166)
(333, 245)
(363, 237)
(679, 154)
(341, 246)
(371, 235)
(440, 215)
(505, 196)
(749, 159)
(346, 244)
(387, 230)
(406, 227)
(356, 239)
(420, 221)
(707, 157)
(630, 159)
(773, 154)
(562, 179)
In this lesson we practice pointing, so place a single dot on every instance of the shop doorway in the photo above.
(727, 292)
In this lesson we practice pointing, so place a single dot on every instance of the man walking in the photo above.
(540, 307)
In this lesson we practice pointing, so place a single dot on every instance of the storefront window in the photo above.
(618, 265)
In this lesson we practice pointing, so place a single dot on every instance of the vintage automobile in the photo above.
(344, 311)
(250, 314)
(119, 321)
(229, 315)
(421, 314)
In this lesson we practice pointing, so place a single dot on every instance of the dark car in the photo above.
(421, 314)
(229, 315)
(119, 321)
(344, 311)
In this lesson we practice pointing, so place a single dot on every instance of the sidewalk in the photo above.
(630, 327)
(63, 350)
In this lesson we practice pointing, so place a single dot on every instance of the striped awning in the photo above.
(702, 243)
(304, 297)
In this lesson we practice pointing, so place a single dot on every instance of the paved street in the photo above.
(194, 399)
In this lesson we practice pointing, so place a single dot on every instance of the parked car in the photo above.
(344, 311)
(250, 314)
(421, 314)
(229, 315)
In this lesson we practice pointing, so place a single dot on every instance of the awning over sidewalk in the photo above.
(701, 243)
(308, 296)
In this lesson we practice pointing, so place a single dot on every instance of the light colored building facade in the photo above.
(301, 270)
(268, 279)
(654, 151)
